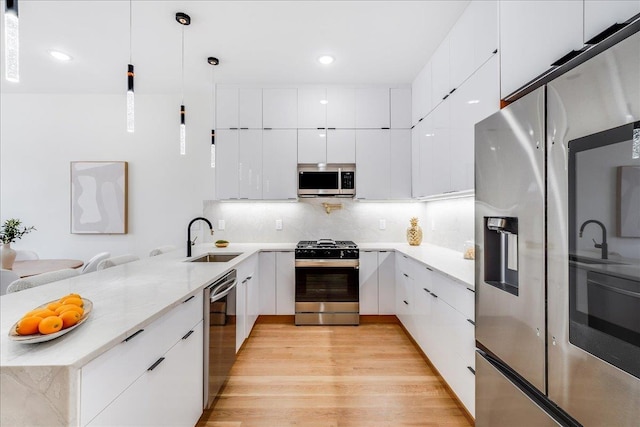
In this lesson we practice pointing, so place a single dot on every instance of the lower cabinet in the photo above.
(377, 282)
(247, 299)
(438, 312)
(153, 378)
(277, 283)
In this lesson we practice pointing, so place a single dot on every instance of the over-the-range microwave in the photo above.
(326, 180)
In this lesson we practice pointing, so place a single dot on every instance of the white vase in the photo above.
(8, 256)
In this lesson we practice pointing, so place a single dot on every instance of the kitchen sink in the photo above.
(214, 258)
(585, 260)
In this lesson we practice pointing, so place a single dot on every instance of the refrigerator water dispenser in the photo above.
(501, 253)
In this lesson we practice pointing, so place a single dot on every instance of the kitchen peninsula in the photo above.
(43, 383)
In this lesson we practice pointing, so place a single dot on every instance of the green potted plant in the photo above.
(11, 230)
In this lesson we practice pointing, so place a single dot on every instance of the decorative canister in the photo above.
(414, 233)
(469, 250)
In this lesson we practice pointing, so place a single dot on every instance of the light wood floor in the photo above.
(346, 376)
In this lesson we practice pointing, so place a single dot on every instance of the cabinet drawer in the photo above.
(456, 295)
(105, 377)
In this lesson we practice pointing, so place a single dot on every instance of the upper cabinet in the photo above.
(421, 95)
(279, 164)
(312, 108)
(400, 108)
(372, 108)
(532, 37)
(238, 108)
(280, 108)
(341, 108)
(601, 14)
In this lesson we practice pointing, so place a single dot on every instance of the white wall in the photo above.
(42, 133)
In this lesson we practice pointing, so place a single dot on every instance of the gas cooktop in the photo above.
(327, 248)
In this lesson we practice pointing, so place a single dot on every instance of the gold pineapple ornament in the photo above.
(414, 233)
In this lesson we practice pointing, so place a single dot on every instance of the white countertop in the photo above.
(128, 297)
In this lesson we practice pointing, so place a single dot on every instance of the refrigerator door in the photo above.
(599, 95)
(509, 235)
(500, 403)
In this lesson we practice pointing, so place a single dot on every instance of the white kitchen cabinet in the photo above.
(168, 393)
(421, 94)
(417, 163)
(602, 14)
(105, 379)
(373, 167)
(250, 164)
(400, 159)
(280, 108)
(341, 107)
(227, 178)
(312, 146)
(238, 108)
(386, 283)
(341, 145)
(312, 108)
(368, 274)
(405, 299)
(267, 283)
(279, 164)
(438, 167)
(400, 102)
(440, 73)
(533, 35)
(247, 298)
(285, 283)
(476, 99)
(372, 108)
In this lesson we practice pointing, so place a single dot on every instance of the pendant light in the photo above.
(184, 20)
(130, 76)
(11, 45)
(213, 61)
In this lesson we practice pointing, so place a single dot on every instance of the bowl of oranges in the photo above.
(51, 320)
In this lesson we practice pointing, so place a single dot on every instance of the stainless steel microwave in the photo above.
(326, 180)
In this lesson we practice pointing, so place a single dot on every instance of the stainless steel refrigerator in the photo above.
(558, 250)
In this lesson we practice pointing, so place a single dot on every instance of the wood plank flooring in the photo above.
(345, 376)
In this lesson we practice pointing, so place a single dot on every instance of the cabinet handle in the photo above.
(405, 274)
(471, 321)
(233, 128)
(452, 90)
(404, 301)
(433, 295)
(606, 33)
(428, 269)
(445, 97)
(266, 129)
(426, 290)
(155, 365)
(495, 51)
(471, 290)
(473, 371)
(132, 336)
(187, 335)
(568, 57)
(244, 128)
(249, 277)
(420, 119)
(321, 128)
(385, 128)
(189, 299)
(331, 128)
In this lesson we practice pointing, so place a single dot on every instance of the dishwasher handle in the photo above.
(223, 289)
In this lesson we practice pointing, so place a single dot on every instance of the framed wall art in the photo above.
(99, 197)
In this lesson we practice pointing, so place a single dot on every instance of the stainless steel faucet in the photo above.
(603, 246)
(189, 242)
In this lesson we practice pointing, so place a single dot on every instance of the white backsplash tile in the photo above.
(247, 222)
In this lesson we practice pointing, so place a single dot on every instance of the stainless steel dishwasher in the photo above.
(219, 335)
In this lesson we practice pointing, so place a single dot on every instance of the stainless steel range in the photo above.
(327, 283)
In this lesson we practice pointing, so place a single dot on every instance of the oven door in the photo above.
(327, 281)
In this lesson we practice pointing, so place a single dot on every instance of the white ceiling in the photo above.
(257, 42)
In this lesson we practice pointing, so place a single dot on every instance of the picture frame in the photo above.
(99, 197)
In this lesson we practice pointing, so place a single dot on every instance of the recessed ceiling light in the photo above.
(324, 102)
(326, 59)
(473, 101)
(60, 56)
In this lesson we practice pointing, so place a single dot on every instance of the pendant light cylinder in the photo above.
(183, 131)
(213, 148)
(130, 99)
(11, 40)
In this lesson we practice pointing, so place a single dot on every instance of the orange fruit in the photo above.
(68, 307)
(40, 312)
(69, 296)
(73, 300)
(50, 325)
(28, 325)
(69, 318)
(53, 306)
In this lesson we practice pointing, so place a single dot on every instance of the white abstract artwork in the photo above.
(99, 197)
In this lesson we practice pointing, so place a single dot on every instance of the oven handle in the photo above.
(348, 263)
(614, 289)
